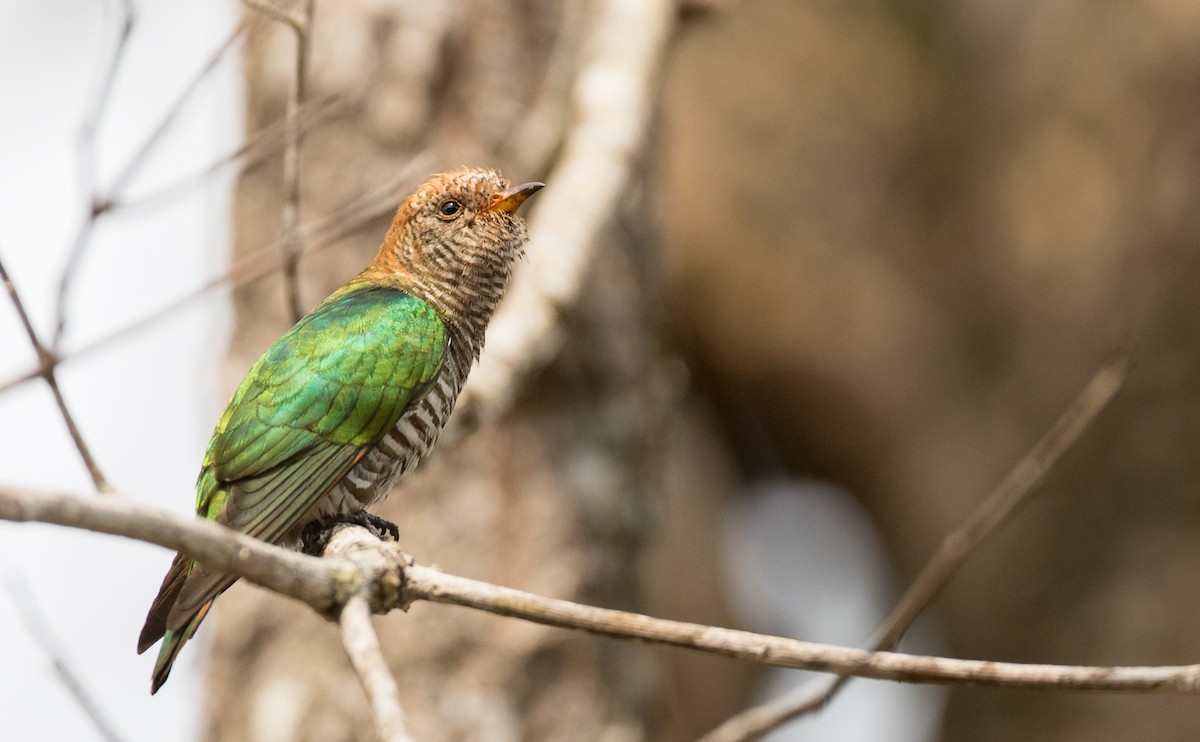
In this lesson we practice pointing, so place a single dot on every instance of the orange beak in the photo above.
(509, 201)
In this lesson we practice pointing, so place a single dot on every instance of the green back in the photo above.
(306, 412)
(333, 385)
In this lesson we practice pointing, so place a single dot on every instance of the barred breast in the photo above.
(405, 445)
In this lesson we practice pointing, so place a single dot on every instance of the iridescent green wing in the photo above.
(332, 386)
(308, 410)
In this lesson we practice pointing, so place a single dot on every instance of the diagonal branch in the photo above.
(46, 364)
(955, 548)
(293, 244)
(103, 202)
(322, 233)
(259, 146)
(389, 578)
(101, 98)
(87, 156)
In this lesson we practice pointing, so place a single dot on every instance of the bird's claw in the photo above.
(315, 536)
(384, 530)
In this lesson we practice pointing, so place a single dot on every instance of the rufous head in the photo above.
(456, 237)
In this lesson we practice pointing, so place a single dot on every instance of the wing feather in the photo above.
(309, 409)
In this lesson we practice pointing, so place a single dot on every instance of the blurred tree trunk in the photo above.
(559, 497)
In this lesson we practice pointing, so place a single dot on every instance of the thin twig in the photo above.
(39, 628)
(134, 165)
(293, 244)
(46, 365)
(320, 235)
(263, 144)
(327, 584)
(87, 156)
(955, 548)
(426, 583)
(101, 98)
(100, 101)
(362, 647)
(358, 635)
(102, 202)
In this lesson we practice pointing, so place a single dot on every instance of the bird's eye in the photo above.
(449, 209)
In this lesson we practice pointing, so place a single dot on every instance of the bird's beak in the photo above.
(509, 201)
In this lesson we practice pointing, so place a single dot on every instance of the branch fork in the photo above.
(369, 568)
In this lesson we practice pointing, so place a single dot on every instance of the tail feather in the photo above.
(155, 627)
(166, 622)
(173, 641)
(195, 595)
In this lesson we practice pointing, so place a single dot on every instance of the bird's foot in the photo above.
(384, 530)
(315, 536)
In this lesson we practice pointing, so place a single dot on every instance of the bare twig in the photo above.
(358, 635)
(264, 143)
(293, 244)
(100, 100)
(328, 584)
(46, 365)
(430, 584)
(362, 646)
(39, 629)
(134, 165)
(102, 202)
(87, 157)
(102, 95)
(955, 548)
(324, 584)
(323, 233)
(611, 101)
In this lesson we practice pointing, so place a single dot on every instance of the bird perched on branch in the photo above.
(356, 392)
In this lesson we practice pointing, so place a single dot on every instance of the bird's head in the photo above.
(456, 237)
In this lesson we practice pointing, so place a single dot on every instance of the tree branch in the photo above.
(362, 647)
(293, 244)
(46, 364)
(955, 548)
(257, 147)
(104, 202)
(96, 204)
(426, 583)
(321, 234)
(324, 584)
(387, 578)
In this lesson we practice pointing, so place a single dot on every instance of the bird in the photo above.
(356, 392)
